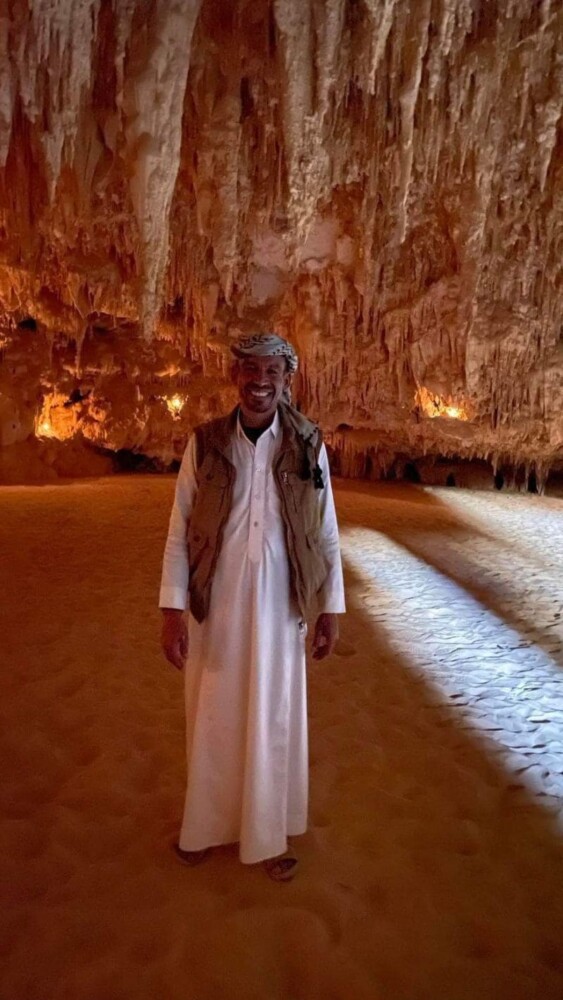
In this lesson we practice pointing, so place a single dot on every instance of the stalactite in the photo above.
(152, 109)
(381, 14)
(6, 88)
(408, 96)
(55, 42)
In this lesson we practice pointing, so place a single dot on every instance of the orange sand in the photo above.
(432, 869)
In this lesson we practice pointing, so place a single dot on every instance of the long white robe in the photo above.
(245, 681)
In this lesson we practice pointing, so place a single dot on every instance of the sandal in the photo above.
(190, 858)
(281, 869)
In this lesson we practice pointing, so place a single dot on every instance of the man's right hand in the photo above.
(174, 637)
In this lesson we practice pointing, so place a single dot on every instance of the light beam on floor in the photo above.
(495, 679)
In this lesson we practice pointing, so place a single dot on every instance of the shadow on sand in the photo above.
(454, 873)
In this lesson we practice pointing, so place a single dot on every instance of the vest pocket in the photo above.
(317, 562)
(198, 543)
(312, 539)
(297, 493)
(206, 518)
(211, 475)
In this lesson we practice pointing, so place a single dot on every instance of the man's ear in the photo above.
(234, 372)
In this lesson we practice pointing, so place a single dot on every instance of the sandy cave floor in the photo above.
(433, 866)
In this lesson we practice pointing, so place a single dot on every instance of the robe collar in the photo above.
(272, 429)
(287, 418)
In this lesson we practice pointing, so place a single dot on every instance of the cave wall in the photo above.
(380, 181)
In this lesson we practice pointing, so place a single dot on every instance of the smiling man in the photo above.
(253, 550)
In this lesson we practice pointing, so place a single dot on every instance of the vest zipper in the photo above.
(293, 572)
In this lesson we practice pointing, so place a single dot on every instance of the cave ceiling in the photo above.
(380, 181)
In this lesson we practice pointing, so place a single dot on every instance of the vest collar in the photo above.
(224, 431)
(294, 423)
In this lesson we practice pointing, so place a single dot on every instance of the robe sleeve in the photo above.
(331, 596)
(175, 572)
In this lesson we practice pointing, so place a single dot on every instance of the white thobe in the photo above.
(245, 681)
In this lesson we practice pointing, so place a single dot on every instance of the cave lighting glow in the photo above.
(433, 405)
(57, 419)
(45, 429)
(175, 404)
(502, 686)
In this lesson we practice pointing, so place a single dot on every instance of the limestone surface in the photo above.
(380, 181)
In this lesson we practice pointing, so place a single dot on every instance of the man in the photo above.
(253, 539)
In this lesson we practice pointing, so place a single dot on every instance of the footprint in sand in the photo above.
(344, 649)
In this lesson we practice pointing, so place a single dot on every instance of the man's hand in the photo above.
(326, 634)
(174, 637)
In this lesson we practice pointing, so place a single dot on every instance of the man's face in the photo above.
(260, 382)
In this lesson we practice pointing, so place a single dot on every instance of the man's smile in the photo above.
(259, 393)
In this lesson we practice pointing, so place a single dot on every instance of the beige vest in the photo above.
(298, 477)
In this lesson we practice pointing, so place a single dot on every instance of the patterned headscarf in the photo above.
(264, 345)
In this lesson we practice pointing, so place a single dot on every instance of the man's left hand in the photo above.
(326, 634)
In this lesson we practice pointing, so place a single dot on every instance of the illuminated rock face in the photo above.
(381, 182)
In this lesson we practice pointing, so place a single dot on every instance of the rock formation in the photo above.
(380, 181)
